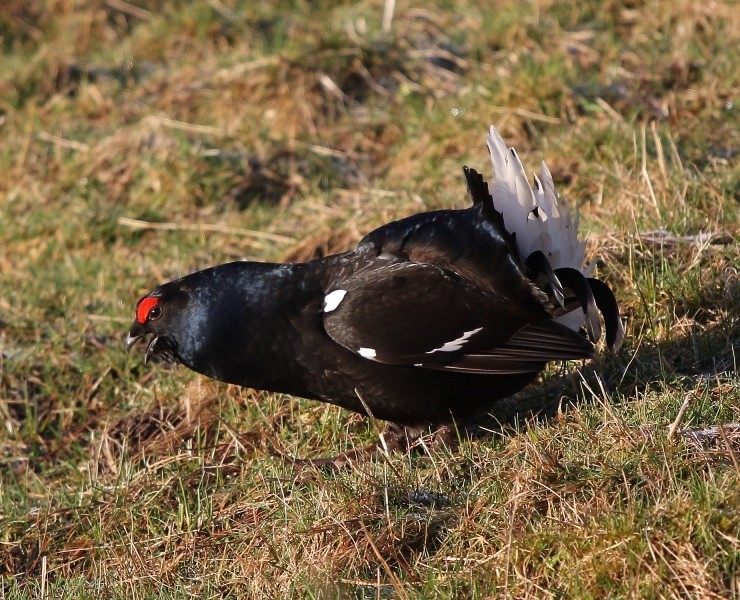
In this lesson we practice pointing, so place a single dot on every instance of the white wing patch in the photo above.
(367, 352)
(456, 344)
(332, 300)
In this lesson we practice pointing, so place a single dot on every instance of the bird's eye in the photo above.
(155, 313)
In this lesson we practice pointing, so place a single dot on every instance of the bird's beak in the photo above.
(139, 331)
(136, 332)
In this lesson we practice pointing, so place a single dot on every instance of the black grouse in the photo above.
(431, 320)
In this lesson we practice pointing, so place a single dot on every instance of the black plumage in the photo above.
(432, 318)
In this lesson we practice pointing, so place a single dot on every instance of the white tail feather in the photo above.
(534, 215)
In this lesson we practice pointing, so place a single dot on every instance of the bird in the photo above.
(430, 321)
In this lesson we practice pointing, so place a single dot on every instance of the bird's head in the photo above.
(164, 315)
(204, 321)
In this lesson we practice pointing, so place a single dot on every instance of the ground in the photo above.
(141, 140)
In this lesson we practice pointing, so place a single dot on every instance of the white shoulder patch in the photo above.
(332, 300)
(456, 344)
(367, 352)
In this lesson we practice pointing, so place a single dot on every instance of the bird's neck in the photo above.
(247, 326)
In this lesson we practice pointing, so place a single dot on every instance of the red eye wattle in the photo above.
(142, 311)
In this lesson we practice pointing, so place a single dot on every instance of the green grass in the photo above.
(140, 141)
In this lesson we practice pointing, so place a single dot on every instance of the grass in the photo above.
(142, 140)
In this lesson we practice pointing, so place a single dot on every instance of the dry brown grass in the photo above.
(139, 141)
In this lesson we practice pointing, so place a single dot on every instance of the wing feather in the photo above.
(424, 316)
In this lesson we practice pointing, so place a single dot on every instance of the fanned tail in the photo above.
(546, 237)
(533, 215)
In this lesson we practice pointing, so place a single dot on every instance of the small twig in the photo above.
(374, 421)
(523, 112)
(44, 576)
(381, 437)
(331, 86)
(679, 417)
(388, 9)
(225, 12)
(607, 108)
(184, 126)
(167, 226)
(240, 70)
(130, 9)
(665, 238)
(61, 142)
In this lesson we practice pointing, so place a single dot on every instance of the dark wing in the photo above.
(422, 315)
(447, 290)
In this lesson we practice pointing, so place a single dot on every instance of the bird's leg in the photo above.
(397, 438)
(447, 436)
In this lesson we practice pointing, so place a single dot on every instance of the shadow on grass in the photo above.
(702, 353)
